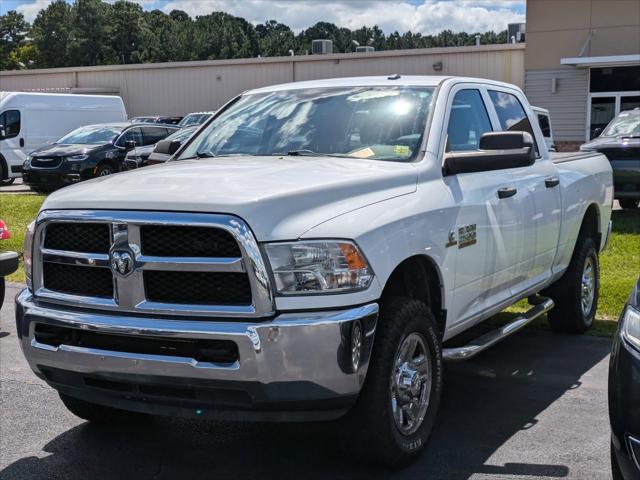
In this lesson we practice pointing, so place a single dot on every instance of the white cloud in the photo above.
(431, 16)
(426, 17)
(31, 9)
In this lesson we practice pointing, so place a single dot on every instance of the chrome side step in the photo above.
(540, 306)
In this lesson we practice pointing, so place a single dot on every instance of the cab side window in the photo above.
(543, 120)
(10, 121)
(132, 134)
(151, 135)
(468, 120)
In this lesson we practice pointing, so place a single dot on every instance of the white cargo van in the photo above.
(32, 120)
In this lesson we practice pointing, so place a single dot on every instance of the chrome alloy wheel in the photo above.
(588, 286)
(104, 172)
(411, 383)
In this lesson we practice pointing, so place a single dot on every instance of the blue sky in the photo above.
(424, 16)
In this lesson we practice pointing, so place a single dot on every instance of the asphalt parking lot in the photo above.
(533, 407)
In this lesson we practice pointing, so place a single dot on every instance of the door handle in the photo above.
(551, 182)
(22, 142)
(507, 192)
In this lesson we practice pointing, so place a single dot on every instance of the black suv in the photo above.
(87, 152)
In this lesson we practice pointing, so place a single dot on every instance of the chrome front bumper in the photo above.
(300, 358)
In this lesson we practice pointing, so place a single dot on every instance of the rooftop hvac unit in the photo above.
(365, 48)
(516, 31)
(321, 47)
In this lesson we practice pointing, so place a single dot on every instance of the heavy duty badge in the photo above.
(467, 235)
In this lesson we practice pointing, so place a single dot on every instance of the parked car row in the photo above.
(88, 152)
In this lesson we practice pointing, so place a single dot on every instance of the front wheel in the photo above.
(576, 293)
(629, 203)
(397, 408)
(104, 170)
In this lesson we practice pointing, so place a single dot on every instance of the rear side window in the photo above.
(468, 120)
(10, 120)
(151, 135)
(510, 112)
(543, 120)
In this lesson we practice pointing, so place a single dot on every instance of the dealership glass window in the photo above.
(468, 120)
(615, 79)
(629, 102)
(603, 110)
(10, 120)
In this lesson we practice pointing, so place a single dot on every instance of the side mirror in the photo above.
(167, 147)
(129, 145)
(596, 132)
(497, 151)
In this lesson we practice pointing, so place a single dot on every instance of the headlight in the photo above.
(28, 252)
(27, 162)
(77, 158)
(318, 266)
(631, 326)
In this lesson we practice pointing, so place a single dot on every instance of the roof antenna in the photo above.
(395, 76)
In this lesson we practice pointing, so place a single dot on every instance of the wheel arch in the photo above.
(420, 278)
(590, 225)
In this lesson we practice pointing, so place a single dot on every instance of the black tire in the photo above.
(374, 432)
(616, 473)
(104, 170)
(568, 315)
(95, 413)
(1, 291)
(6, 182)
(629, 203)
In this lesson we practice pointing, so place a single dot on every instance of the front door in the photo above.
(12, 141)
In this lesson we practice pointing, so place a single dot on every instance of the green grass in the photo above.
(18, 211)
(619, 264)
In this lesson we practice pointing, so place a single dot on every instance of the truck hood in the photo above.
(280, 197)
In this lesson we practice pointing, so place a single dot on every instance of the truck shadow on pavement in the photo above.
(488, 423)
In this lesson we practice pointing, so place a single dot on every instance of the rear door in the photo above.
(538, 188)
(488, 229)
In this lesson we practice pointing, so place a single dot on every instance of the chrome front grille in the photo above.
(150, 262)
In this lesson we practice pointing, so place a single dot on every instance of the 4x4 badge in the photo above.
(452, 239)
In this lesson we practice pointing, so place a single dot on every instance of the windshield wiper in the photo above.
(310, 153)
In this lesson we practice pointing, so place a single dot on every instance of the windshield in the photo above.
(194, 119)
(378, 123)
(627, 123)
(182, 134)
(94, 134)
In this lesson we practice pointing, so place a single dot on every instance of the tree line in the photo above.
(93, 32)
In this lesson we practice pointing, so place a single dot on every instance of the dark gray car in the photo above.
(620, 142)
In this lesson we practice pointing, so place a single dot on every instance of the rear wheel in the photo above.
(1, 291)
(576, 293)
(397, 407)
(5, 181)
(104, 170)
(95, 413)
(629, 203)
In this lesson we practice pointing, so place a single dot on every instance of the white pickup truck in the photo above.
(309, 254)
